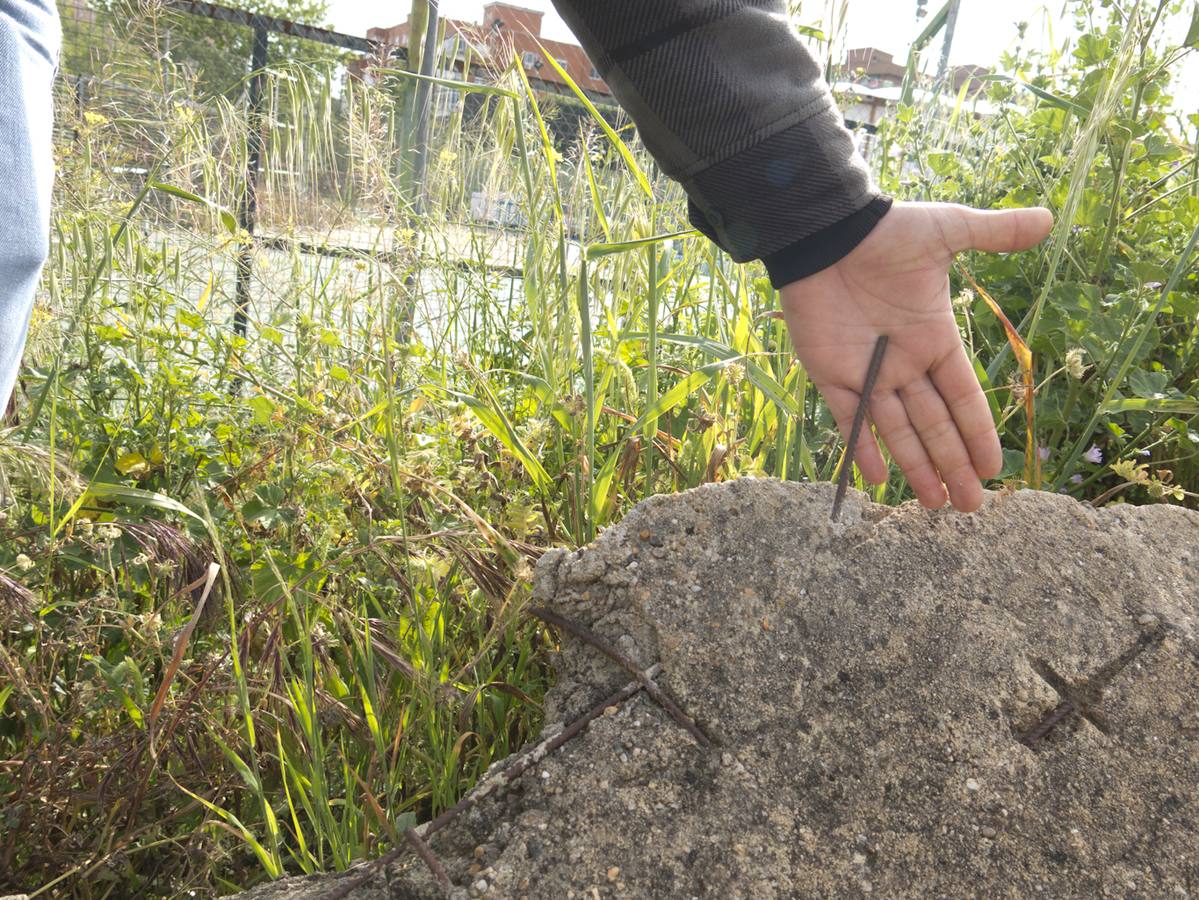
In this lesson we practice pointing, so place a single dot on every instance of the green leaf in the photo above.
(687, 386)
(1050, 99)
(1180, 266)
(546, 395)
(551, 153)
(494, 420)
(596, 251)
(1192, 38)
(1092, 49)
(596, 201)
(943, 163)
(243, 770)
(305, 858)
(227, 218)
(264, 507)
(1149, 385)
(759, 377)
(980, 372)
(1013, 464)
(268, 861)
(132, 463)
(111, 333)
(118, 678)
(263, 408)
(119, 493)
(1177, 407)
(462, 87)
(677, 394)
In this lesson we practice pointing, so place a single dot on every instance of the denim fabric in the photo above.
(30, 39)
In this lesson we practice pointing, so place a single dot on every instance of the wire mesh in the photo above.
(266, 152)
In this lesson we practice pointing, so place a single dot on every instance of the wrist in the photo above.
(826, 247)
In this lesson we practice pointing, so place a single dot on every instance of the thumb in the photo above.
(995, 231)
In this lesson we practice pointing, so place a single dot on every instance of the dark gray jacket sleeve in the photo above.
(732, 105)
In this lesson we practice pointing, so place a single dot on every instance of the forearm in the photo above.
(732, 105)
(29, 45)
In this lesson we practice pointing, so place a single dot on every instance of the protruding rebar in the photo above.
(876, 363)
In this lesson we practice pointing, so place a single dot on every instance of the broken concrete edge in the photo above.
(561, 570)
(593, 586)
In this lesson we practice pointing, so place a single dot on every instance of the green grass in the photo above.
(262, 600)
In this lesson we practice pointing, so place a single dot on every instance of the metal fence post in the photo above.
(424, 95)
(248, 211)
(951, 22)
(422, 110)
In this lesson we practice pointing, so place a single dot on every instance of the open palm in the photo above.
(927, 405)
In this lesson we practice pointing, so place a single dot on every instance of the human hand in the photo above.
(927, 404)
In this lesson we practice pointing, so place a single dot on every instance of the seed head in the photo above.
(1074, 363)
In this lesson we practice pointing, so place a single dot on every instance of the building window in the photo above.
(562, 63)
(529, 59)
(595, 75)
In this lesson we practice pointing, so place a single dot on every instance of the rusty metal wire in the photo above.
(859, 418)
(1049, 721)
(585, 634)
(1084, 696)
(417, 843)
(416, 838)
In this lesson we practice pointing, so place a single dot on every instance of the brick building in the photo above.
(506, 31)
(871, 83)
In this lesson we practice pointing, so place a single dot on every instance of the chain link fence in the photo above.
(279, 138)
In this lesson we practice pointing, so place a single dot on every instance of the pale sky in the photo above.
(985, 28)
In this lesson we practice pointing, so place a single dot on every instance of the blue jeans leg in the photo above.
(30, 38)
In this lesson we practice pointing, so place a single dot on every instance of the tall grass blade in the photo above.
(494, 419)
(621, 147)
(598, 251)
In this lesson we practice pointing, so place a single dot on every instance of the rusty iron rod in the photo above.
(859, 418)
(518, 766)
(426, 853)
(585, 634)
(515, 768)
(1049, 721)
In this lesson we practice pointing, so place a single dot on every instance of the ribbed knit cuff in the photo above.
(819, 251)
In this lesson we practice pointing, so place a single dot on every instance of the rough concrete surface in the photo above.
(873, 688)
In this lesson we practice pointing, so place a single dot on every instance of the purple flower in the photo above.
(1143, 453)
(1043, 452)
(1076, 479)
(1094, 455)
